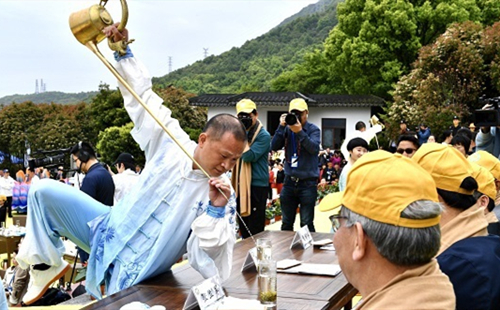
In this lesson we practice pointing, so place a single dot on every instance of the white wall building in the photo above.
(335, 115)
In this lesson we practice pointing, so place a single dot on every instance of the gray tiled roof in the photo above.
(283, 98)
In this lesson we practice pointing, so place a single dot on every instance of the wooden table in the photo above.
(8, 244)
(294, 291)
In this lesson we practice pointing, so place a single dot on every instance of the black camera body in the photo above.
(58, 159)
(488, 118)
(292, 119)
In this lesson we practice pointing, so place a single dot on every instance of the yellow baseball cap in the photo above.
(447, 166)
(298, 104)
(245, 106)
(485, 181)
(488, 161)
(377, 189)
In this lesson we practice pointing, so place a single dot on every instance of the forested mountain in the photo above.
(49, 97)
(254, 65)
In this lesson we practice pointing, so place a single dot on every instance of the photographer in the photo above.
(487, 138)
(301, 141)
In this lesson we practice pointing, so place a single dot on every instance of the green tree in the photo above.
(115, 140)
(107, 110)
(191, 119)
(448, 78)
(375, 42)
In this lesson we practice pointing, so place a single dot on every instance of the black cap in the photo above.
(125, 158)
(402, 121)
(455, 117)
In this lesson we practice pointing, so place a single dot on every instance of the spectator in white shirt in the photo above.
(126, 177)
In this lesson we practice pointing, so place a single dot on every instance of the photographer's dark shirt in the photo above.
(307, 143)
(99, 185)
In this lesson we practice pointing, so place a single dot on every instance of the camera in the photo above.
(489, 117)
(49, 161)
(292, 118)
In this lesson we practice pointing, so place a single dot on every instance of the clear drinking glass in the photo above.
(267, 278)
(264, 249)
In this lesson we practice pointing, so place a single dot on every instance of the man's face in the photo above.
(79, 163)
(461, 149)
(248, 119)
(302, 116)
(402, 126)
(407, 148)
(218, 156)
(455, 122)
(343, 243)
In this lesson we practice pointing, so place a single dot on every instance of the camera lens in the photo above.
(291, 119)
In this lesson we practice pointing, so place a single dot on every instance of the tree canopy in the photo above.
(375, 42)
(448, 78)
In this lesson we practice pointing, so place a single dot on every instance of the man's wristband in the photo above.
(216, 212)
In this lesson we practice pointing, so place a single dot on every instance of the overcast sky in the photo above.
(36, 41)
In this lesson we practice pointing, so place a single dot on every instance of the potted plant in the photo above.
(269, 215)
(277, 209)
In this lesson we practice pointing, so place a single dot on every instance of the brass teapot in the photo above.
(87, 25)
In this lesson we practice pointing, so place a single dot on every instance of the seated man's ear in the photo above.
(361, 242)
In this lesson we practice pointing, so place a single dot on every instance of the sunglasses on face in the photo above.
(407, 151)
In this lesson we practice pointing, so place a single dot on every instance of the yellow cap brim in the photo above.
(331, 202)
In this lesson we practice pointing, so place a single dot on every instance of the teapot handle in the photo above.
(120, 46)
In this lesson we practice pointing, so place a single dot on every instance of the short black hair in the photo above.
(410, 138)
(84, 146)
(353, 143)
(457, 200)
(360, 125)
(465, 132)
(222, 123)
(446, 134)
(461, 140)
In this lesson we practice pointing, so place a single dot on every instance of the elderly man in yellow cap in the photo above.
(485, 196)
(492, 164)
(387, 234)
(468, 255)
(301, 140)
(250, 177)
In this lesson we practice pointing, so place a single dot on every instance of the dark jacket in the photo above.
(473, 266)
(306, 147)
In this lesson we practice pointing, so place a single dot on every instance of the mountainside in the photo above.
(254, 65)
(49, 97)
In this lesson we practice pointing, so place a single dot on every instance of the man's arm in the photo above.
(485, 139)
(310, 141)
(210, 246)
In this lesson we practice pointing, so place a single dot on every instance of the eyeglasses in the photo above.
(335, 219)
(407, 151)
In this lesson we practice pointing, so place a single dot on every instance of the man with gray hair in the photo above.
(387, 234)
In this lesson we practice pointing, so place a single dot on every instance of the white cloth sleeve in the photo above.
(146, 131)
(210, 246)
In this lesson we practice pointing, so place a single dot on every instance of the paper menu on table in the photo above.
(322, 242)
(316, 269)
